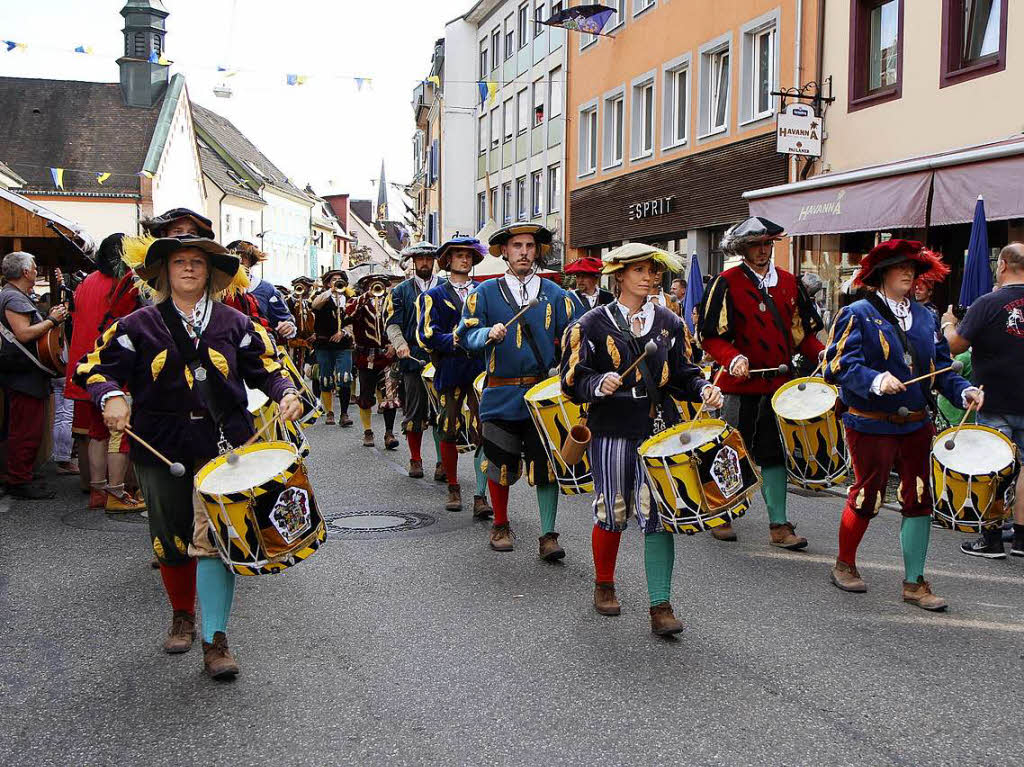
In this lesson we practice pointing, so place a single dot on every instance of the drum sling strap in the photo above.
(216, 398)
(908, 348)
(659, 405)
(542, 369)
(769, 302)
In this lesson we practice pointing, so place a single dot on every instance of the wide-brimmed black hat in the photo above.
(303, 279)
(223, 265)
(325, 278)
(542, 235)
(155, 226)
(374, 275)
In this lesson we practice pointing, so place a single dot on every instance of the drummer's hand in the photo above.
(611, 383)
(890, 384)
(291, 407)
(116, 413)
(336, 338)
(403, 352)
(497, 333)
(712, 395)
(975, 397)
(286, 329)
(740, 368)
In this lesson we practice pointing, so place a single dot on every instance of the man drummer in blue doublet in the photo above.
(517, 355)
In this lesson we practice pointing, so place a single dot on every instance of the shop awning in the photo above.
(895, 195)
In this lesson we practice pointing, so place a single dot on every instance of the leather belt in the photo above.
(521, 381)
(914, 416)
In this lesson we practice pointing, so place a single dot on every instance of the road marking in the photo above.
(942, 622)
(861, 565)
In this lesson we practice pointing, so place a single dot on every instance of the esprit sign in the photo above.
(659, 206)
(798, 131)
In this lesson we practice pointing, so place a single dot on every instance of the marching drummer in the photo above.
(437, 316)
(623, 413)
(754, 319)
(878, 343)
(186, 413)
(517, 355)
(587, 294)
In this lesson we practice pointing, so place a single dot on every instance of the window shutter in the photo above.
(435, 160)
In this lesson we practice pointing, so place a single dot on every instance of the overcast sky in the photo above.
(325, 132)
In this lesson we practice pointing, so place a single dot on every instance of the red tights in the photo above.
(851, 531)
(499, 501)
(180, 583)
(606, 550)
(450, 461)
(415, 440)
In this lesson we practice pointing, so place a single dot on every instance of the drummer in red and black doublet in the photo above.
(877, 343)
(599, 346)
(139, 353)
(757, 316)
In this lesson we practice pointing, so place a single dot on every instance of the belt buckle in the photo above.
(638, 392)
(194, 417)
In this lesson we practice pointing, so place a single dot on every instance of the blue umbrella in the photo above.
(977, 280)
(694, 291)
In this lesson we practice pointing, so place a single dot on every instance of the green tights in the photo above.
(914, 535)
(547, 499)
(773, 488)
(659, 557)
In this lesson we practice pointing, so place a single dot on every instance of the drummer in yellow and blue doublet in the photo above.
(140, 353)
(438, 315)
(623, 413)
(516, 358)
(878, 343)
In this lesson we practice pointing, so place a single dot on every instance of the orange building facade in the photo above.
(673, 118)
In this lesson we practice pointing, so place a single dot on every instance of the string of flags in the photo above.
(57, 175)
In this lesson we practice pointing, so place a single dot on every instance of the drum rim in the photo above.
(541, 384)
(679, 428)
(796, 382)
(207, 468)
(974, 427)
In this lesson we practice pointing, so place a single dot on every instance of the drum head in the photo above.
(256, 399)
(667, 443)
(795, 405)
(978, 450)
(255, 465)
(549, 388)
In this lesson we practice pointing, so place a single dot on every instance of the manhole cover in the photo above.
(376, 521)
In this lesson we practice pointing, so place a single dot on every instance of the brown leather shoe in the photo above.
(550, 551)
(181, 634)
(784, 537)
(345, 421)
(124, 503)
(920, 594)
(723, 533)
(454, 498)
(330, 418)
(217, 658)
(439, 475)
(605, 601)
(501, 537)
(368, 438)
(390, 441)
(481, 508)
(415, 469)
(663, 621)
(847, 578)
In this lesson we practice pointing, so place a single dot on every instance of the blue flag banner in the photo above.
(589, 19)
(694, 291)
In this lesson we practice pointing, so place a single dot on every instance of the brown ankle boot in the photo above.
(501, 537)
(330, 418)
(784, 537)
(181, 634)
(605, 601)
(663, 620)
(920, 594)
(481, 508)
(847, 578)
(390, 441)
(550, 551)
(217, 658)
(415, 469)
(439, 475)
(454, 498)
(368, 438)
(723, 533)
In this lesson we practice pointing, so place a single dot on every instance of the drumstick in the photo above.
(781, 370)
(956, 367)
(950, 443)
(529, 305)
(176, 469)
(803, 384)
(649, 348)
(232, 456)
(684, 438)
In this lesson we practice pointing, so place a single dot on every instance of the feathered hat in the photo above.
(245, 249)
(928, 265)
(634, 252)
(226, 276)
(444, 253)
(746, 233)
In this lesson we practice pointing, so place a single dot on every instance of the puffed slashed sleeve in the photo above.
(108, 367)
(716, 323)
(578, 371)
(845, 364)
(431, 335)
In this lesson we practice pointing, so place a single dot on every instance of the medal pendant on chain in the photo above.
(762, 307)
(908, 360)
(200, 373)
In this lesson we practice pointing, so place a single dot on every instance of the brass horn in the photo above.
(377, 289)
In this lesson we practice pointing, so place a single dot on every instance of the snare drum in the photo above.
(264, 411)
(972, 484)
(554, 415)
(816, 454)
(312, 408)
(703, 484)
(263, 514)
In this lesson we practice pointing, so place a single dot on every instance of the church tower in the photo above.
(143, 80)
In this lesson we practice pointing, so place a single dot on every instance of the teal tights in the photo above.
(773, 488)
(914, 535)
(216, 587)
(481, 475)
(547, 499)
(659, 557)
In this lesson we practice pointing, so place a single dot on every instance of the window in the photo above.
(973, 39)
(510, 37)
(642, 122)
(586, 40)
(494, 204)
(715, 71)
(483, 135)
(588, 140)
(555, 101)
(522, 111)
(719, 90)
(876, 52)
(614, 123)
(495, 129)
(495, 48)
(481, 210)
(521, 20)
(521, 198)
(619, 16)
(676, 103)
(554, 188)
(435, 160)
(484, 69)
(227, 222)
(639, 6)
(506, 202)
(763, 75)
(538, 19)
(536, 192)
(538, 101)
(508, 119)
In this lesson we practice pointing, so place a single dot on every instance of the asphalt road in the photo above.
(422, 646)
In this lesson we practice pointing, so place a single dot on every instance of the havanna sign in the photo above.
(798, 131)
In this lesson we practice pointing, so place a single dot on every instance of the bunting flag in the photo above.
(589, 19)
(359, 82)
(84, 49)
(101, 177)
(11, 45)
(57, 174)
(295, 79)
(435, 80)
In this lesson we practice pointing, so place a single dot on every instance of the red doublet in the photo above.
(733, 323)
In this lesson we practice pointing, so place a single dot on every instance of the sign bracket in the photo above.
(813, 92)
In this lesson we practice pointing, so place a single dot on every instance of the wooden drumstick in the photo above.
(956, 367)
(950, 443)
(649, 348)
(529, 305)
(176, 469)
(803, 384)
(684, 438)
(232, 455)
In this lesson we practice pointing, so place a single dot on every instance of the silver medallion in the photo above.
(908, 360)
(762, 307)
(200, 373)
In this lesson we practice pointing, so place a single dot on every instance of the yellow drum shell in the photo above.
(970, 502)
(815, 448)
(685, 502)
(554, 415)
